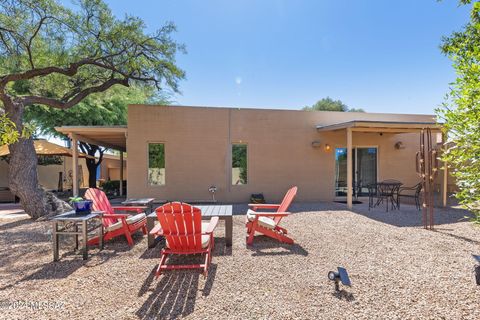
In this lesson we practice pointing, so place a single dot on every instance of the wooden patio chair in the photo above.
(117, 224)
(267, 222)
(185, 234)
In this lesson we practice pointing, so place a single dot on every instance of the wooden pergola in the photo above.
(393, 127)
(112, 137)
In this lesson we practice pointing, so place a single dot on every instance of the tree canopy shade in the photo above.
(57, 57)
(100, 109)
(461, 111)
(328, 104)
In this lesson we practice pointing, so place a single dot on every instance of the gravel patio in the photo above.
(397, 269)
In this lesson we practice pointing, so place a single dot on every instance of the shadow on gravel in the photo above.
(458, 237)
(174, 294)
(344, 295)
(15, 224)
(409, 216)
(264, 246)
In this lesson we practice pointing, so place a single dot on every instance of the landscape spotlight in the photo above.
(340, 276)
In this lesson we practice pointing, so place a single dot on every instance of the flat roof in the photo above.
(381, 126)
(113, 137)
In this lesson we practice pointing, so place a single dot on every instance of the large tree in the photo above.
(106, 108)
(328, 104)
(461, 110)
(58, 57)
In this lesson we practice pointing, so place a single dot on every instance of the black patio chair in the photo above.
(372, 195)
(417, 190)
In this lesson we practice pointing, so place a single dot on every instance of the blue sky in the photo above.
(380, 55)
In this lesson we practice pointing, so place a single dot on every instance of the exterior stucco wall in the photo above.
(110, 169)
(48, 175)
(198, 151)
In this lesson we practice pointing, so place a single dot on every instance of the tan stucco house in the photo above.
(178, 153)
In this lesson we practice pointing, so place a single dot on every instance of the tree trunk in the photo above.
(92, 173)
(92, 164)
(22, 178)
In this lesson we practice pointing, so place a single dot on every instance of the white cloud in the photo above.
(238, 80)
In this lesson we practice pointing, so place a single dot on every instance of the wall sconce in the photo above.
(399, 145)
(327, 147)
(316, 144)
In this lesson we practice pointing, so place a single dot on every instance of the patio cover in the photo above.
(381, 126)
(45, 148)
(394, 127)
(112, 137)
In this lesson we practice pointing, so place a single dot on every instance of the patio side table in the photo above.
(68, 224)
(141, 202)
(223, 212)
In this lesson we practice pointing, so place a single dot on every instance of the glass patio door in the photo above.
(364, 170)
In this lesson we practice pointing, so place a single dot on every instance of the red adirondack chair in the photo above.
(116, 224)
(181, 225)
(267, 222)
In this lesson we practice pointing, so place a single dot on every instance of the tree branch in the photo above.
(30, 41)
(51, 102)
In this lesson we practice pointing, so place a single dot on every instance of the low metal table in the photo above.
(141, 202)
(224, 212)
(68, 223)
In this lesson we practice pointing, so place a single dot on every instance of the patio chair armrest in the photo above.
(116, 216)
(271, 214)
(256, 206)
(130, 208)
(212, 225)
(157, 230)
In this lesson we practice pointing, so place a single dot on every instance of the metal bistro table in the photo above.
(69, 223)
(387, 191)
(224, 212)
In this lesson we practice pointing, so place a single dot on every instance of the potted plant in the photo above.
(81, 206)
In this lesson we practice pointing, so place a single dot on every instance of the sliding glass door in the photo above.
(364, 166)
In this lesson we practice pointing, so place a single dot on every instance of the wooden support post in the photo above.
(445, 183)
(349, 169)
(74, 147)
(121, 173)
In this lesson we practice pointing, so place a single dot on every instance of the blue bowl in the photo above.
(83, 207)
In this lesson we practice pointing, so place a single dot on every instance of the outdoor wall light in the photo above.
(212, 190)
(399, 145)
(327, 147)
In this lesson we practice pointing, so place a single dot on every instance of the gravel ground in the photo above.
(397, 269)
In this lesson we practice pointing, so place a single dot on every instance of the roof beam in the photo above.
(392, 130)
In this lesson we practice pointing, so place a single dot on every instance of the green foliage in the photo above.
(75, 199)
(55, 56)
(102, 109)
(156, 155)
(461, 112)
(328, 104)
(8, 130)
(113, 186)
(44, 160)
(9, 133)
(239, 160)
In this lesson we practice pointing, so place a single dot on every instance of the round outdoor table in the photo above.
(386, 191)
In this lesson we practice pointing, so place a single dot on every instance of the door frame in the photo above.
(335, 197)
